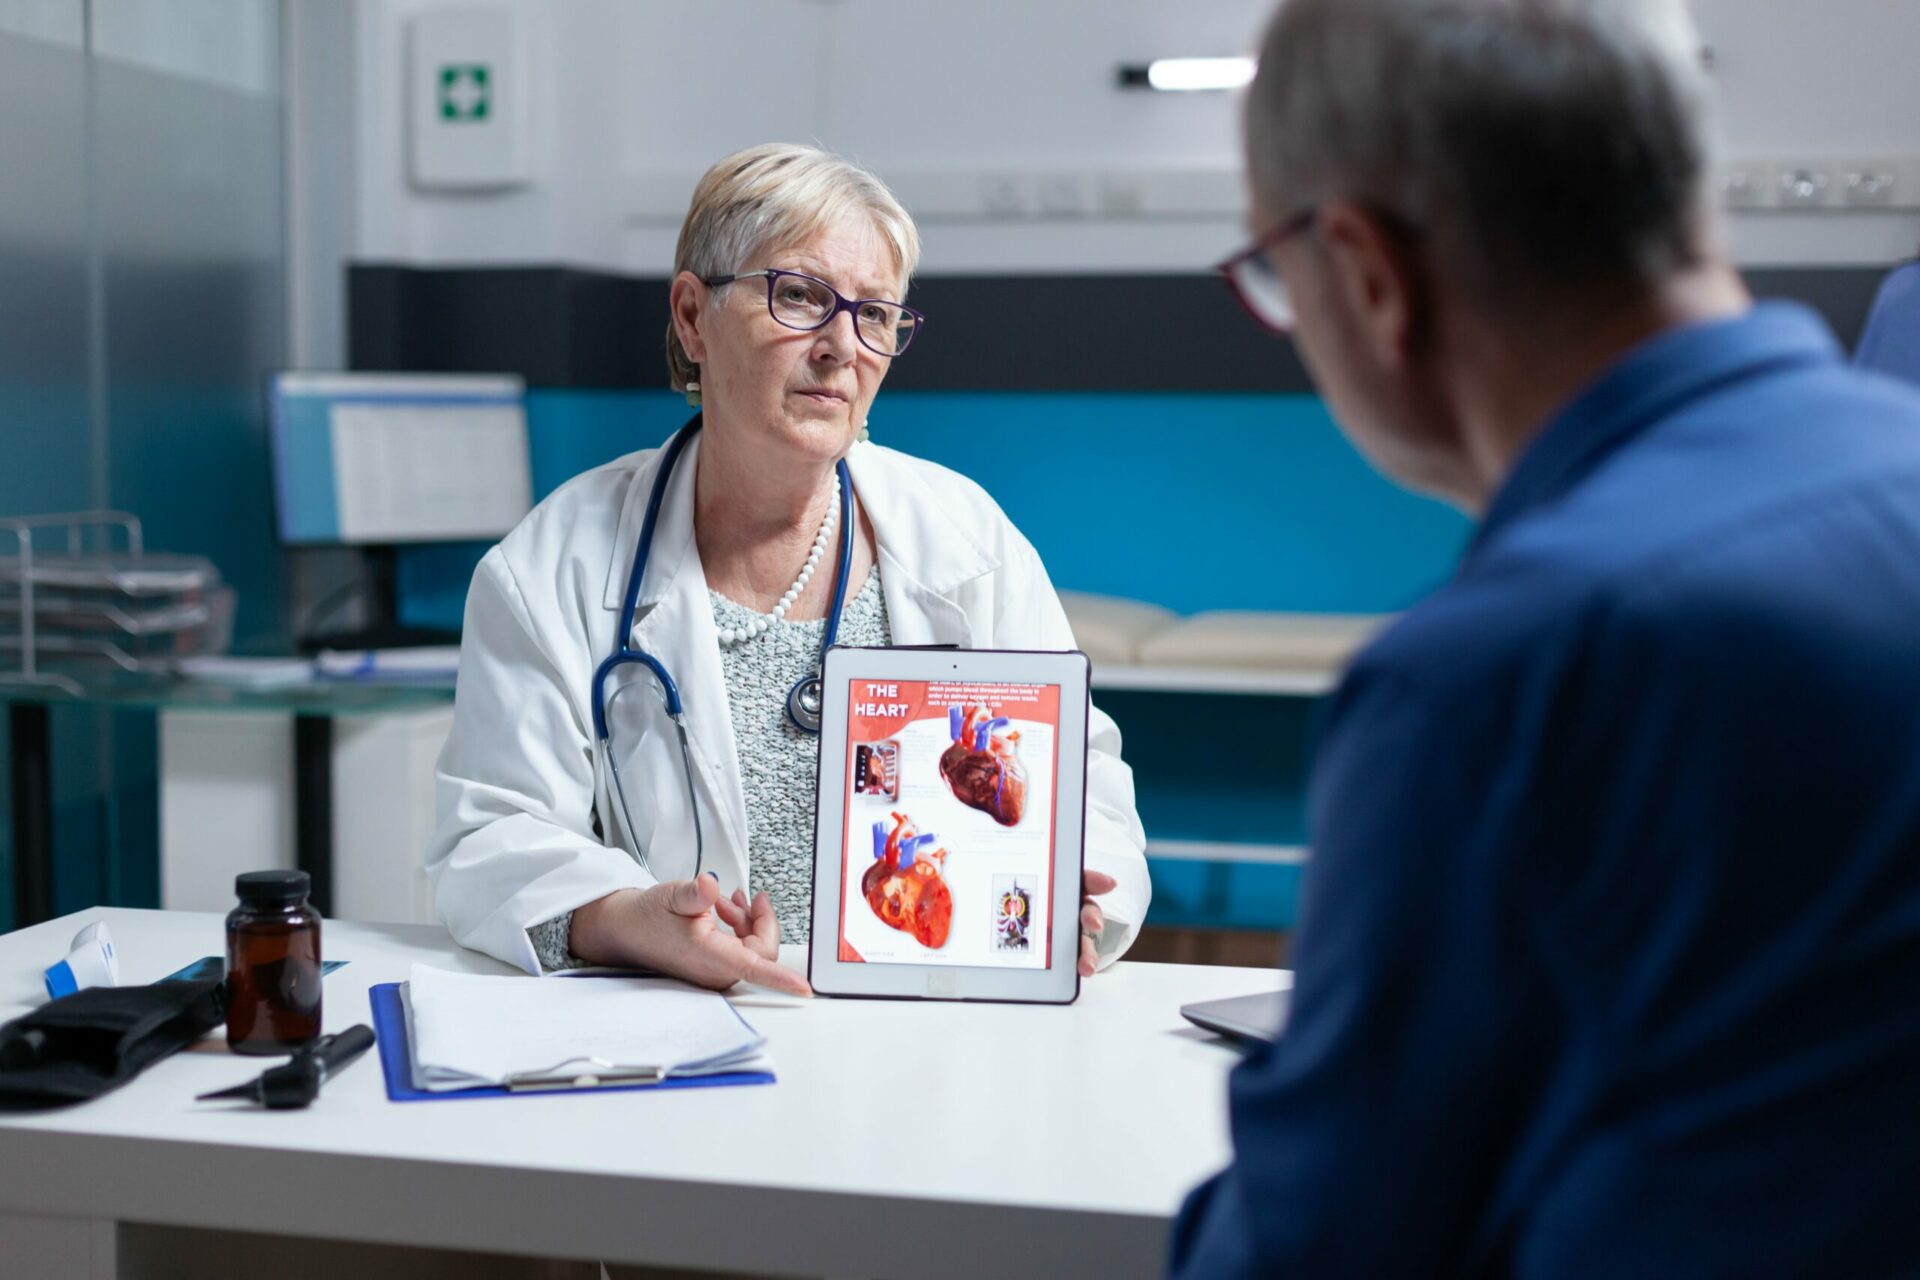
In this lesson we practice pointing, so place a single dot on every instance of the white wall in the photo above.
(914, 88)
(631, 99)
(1825, 80)
(232, 45)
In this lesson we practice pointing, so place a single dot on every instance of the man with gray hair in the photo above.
(1609, 953)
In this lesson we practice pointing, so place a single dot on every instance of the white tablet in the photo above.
(951, 813)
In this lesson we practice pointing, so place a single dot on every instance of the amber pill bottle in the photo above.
(273, 964)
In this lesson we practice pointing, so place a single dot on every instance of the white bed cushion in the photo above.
(1110, 629)
(1261, 641)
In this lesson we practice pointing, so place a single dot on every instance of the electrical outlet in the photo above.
(1005, 196)
(1743, 186)
(1803, 186)
(1806, 183)
(1064, 195)
(1119, 195)
(1869, 185)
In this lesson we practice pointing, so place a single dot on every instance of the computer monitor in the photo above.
(380, 459)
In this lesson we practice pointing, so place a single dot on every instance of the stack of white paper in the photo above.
(469, 1030)
(249, 673)
(423, 663)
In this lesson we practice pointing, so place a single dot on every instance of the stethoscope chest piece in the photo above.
(804, 704)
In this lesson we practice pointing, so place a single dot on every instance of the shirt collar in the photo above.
(1649, 383)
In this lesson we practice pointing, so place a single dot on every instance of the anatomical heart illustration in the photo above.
(904, 885)
(983, 765)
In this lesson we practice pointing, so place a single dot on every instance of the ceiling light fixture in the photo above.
(1187, 75)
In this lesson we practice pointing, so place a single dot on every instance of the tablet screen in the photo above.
(949, 823)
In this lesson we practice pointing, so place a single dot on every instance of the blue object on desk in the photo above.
(90, 962)
(216, 967)
(422, 664)
(396, 1053)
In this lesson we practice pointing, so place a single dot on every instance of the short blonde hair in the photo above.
(773, 195)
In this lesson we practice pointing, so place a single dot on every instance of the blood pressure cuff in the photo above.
(86, 1044)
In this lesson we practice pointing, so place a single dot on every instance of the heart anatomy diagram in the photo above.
(904, 885)
(983, 765)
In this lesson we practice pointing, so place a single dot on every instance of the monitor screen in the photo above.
(377, 458)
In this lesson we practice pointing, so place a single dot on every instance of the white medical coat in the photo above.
(527, 827)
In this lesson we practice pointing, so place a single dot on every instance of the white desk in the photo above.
(1008, 1140)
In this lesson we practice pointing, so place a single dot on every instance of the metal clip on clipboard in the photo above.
(605, 1075)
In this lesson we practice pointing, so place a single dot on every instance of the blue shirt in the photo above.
(1609, 958)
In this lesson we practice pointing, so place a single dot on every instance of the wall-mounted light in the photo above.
(1186, 75)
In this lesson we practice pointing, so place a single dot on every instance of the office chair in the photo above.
(1890, 343)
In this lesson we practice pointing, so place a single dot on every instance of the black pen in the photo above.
(297, 1083)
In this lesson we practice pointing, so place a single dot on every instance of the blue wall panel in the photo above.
(1242, 501)
(1190, 501)
(1222, 895)
(1216, 767)
(575, 431)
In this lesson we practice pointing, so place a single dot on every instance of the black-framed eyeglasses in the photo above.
(800, 301)
(1257, 285)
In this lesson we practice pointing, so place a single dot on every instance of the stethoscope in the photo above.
(805, 700)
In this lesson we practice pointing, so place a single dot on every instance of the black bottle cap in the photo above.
(272, 888)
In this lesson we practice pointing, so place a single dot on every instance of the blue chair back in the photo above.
(1891, 341)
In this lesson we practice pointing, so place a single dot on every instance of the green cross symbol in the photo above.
(466, 91)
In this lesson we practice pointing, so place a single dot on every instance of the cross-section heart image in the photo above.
(904, 885)
(983, 765)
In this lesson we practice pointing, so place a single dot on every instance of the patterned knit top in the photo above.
(777, 762)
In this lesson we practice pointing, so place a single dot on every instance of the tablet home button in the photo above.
(941, 984)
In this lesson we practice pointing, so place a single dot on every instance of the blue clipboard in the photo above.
(390, 1037)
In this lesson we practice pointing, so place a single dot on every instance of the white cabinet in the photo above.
(227, 805)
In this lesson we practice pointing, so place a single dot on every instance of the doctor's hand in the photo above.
(1092, 921)
(675, 928)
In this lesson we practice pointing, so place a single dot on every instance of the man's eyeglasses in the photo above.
(802, 302)
(1258, 286)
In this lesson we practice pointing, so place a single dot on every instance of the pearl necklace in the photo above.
(753, 630)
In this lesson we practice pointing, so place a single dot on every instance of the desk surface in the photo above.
(901, 1139)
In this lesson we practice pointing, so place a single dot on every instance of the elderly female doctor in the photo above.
(692, 853)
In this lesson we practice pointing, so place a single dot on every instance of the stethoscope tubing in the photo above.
(623, 652)
(804, 700)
